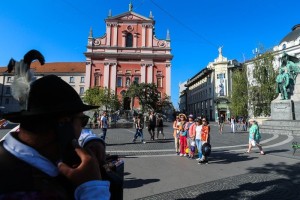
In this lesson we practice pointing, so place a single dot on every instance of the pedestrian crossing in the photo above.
(268, 143)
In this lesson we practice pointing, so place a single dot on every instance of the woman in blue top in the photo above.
(254, 137)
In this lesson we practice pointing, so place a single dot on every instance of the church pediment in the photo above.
(129, 16)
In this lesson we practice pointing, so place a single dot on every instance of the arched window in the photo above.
(159, 82)
(96, 79)
(129, 40)
(284, 46)
(127, 82)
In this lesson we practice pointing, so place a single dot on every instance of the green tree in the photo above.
(92, 96)
(146, 93)
(164, 104)
(102, 97)
(239, 95)
(262, 91)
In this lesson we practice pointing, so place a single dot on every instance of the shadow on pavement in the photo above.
(126, 173)
(120, 144)
(272, 181)
(135, 183)
(276, 151)
(225, 157)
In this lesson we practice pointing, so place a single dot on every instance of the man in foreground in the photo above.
(42, 160)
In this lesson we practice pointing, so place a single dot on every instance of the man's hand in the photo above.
(87, 170)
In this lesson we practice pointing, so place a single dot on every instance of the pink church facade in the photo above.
(129, 51)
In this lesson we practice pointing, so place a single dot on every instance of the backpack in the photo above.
(206, 149)
(257, 136)
(113, 171)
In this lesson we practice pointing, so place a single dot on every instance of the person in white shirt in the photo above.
(104, 125)
(198, 130)
(232, 124)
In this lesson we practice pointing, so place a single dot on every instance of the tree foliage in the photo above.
(239, 95)
(262, 91)
(102, 97)
(164, 104)
(148, 96)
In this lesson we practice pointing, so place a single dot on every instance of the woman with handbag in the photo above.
(254, 137)
(205, 139)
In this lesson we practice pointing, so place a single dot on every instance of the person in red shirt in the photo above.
(182, 135)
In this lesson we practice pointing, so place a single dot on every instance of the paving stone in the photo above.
(245, 186)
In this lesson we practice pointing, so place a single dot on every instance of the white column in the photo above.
(108, 30)
(135, 37)
(87, 79)
(143, 73)
(149, 35)
(123, 39)
(106, 75)
(113, 77)
(168, 79)
(150, 73)
(143, 35)
(115, 42)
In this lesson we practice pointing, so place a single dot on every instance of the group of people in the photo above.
(191, 136)
(241, 122)
(152, 122)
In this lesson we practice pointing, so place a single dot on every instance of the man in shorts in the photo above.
(221, 123)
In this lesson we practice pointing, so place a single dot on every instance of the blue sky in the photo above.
(59, 28)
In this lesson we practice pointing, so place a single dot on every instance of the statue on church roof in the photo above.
(130, 6)
(220, 50)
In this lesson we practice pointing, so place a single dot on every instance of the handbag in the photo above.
(206, 149)
(257, 136)
(183, 133)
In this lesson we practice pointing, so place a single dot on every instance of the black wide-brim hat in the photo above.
(50, 96)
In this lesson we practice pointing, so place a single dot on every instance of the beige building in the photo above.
(71, 72)
(209, 90)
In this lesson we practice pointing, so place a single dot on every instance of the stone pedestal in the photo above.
(282, 110)
(285, 114)
(297, 110)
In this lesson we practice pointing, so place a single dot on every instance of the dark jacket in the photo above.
(152, 122)
(18, 177)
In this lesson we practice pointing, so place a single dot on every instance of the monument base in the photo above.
(287, 127)
(285, 120)
(297, 110)
(282, 110)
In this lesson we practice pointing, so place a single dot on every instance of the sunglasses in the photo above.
(84, 120)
